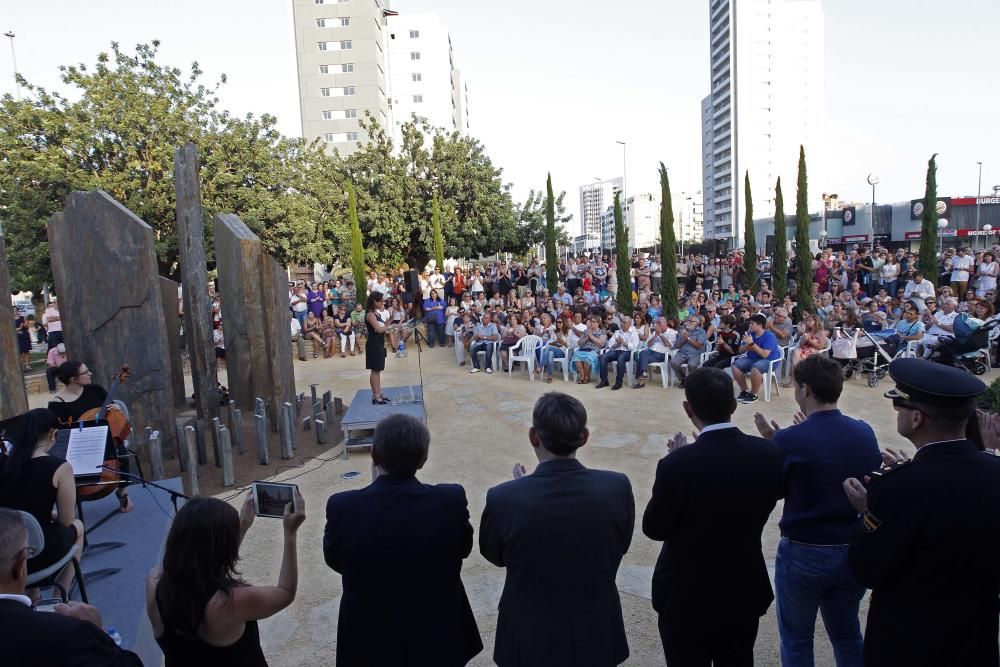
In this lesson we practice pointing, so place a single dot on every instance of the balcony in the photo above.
(719, 9)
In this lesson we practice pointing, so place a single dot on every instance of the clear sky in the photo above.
(554, 84)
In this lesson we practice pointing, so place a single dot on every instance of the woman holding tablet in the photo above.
(201, 612)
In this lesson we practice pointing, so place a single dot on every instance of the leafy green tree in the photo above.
(928, 226)
(532, 221)
(551, 256)
(622, 268)
(803, 258)
(779, 264)
(358, 266)
(117, 130)
(668, 246)
(438, 239)
(749, 235)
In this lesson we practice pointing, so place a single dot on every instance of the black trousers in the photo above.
(709, 643)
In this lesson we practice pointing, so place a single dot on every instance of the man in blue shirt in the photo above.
(761, 347)
(818, 523)
(484, 339)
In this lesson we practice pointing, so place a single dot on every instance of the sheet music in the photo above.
(85, 452)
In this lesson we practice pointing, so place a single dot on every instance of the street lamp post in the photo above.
(13, 56)
(979, 194)
(942, 225)
(873, 180)
(822, 238)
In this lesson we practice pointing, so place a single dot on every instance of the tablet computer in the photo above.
(270, 498)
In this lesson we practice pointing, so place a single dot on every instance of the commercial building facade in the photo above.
(895, 225)
(595, 198)
(766, 99)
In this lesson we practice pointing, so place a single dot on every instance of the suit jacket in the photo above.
(561, 533)
(928, 552)
(31, 638)
(710, 502)
(399, 546)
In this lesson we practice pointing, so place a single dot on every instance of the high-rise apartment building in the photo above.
(689, 219)
(424, 80)
(766, 98)
(341, 48)
(595, 198)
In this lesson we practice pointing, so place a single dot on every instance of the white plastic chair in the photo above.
(629, 366)
(773, 373)
(709, 348)
(564, 362)
(524, 351)
(496, 356)
(48, 576)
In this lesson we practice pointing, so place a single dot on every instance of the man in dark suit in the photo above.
(929, 540)
(399, 546)
(561, 532)
(710, 502)
(71, 636)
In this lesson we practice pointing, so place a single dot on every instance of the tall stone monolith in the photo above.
(106, 275)
(13, 398)
(194, 277)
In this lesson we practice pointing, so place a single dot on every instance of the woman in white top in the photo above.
(987, 275)
(476, 282)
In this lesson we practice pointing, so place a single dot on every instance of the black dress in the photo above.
(23, 335)
(181, 651)
(32, 492)
(375, 348)
(93, 396)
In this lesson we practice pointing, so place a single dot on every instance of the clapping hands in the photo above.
(519, 471)
(679, 440)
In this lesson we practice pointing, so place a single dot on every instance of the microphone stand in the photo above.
(174, 495)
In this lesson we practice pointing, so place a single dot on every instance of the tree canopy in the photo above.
(118, 123)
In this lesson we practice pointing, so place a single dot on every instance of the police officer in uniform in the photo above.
(931, 529)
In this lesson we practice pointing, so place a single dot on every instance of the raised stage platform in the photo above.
(359, 422)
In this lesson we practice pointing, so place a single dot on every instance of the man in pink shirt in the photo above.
(57, 357)
(53, 323)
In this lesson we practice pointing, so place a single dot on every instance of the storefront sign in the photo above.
(972, 201)
(856, 239)
(917, 208)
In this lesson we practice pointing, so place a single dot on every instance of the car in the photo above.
(25, 308)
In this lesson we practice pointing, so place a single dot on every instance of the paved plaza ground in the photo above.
(478, 427)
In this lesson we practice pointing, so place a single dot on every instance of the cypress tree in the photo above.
(803, 258)
(623, 267)
(749, 236)
(928, 228)
(779, 263)
(668, 246)
(551, 258)
(438, 239)
(357, 247)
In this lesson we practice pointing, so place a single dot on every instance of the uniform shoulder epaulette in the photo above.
(889, 468)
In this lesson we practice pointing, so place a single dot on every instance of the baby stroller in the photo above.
(965, 348)
(874, 352)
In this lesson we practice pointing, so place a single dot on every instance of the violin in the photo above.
(120, 428)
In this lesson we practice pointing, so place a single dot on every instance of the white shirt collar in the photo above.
(716, 427)
(23, 599)
(932, 444)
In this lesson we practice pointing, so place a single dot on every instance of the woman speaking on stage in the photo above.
(375, 347)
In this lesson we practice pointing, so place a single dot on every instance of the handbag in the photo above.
(845, 347)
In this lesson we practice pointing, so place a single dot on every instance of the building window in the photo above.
(344, 22)
(349, 90)
(325, 92)
(322, 46)
(324, 69)
(318, 2)
(346, 44)
(418, 77)
(414, 34)
(414, 55)
(320, 23)
(418, 99)
(330, 137)
(352, 136)
(351, 113)
(327, 115)
(347, 67)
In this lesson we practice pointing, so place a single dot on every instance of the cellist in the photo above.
(78, 396)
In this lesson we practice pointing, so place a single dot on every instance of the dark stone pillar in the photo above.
(194, 277)
(106, 275)
(13, 398)
(168, 295)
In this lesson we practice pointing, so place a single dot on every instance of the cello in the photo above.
(119, 428)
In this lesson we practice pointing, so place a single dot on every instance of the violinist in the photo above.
(78, 396)
(34, 482)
